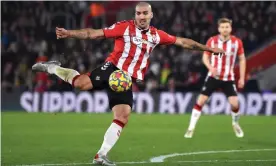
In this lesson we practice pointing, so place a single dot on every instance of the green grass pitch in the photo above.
(39, 138)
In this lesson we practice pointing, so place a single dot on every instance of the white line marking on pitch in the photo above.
(148, 162)
(125, 162)
(54, 164)
(163, 157)
(231, 161)
(160, 159)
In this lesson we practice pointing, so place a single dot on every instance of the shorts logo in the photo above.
(234, 86)
(106, 65)
(98, 78)
(204, 88)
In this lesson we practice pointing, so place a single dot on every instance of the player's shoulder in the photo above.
(160, 32)
(119, 24)
(235, 38)
(215, 37)
(124, 22)
(154, 29)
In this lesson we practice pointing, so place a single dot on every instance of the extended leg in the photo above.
(82, 82)
(121, 116)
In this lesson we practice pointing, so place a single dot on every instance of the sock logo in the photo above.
(118, 133)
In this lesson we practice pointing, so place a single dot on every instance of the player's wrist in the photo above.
(242, 79)
(242, 76)
(69, 33)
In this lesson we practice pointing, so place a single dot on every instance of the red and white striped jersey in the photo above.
(133, 46)
(225, 63)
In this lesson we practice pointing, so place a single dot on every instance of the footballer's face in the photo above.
(225, 29)
(143, 16)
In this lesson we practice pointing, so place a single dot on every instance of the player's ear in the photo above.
(151, 15)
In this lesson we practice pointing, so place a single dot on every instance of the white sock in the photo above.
(110, 138)
(235, 117)
(64, 73)
(194, 118)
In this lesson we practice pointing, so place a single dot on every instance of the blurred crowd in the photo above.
(28, 36)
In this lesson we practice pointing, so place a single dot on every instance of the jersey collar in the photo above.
(221, 39)
(142, 30)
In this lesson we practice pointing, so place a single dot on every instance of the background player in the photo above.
(221, 74)
(134, 41)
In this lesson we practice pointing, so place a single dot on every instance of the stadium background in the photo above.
(28, 36)
(172, 83)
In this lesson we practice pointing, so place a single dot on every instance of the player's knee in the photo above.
(124, 116)
(122, 112)
(79, 84)
(235, 106)
(83, 82)
(202, 100)
(234, 102)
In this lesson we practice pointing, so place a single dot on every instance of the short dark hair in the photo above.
(224, 20)
(142, 4)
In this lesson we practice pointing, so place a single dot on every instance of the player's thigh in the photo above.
(100, 75)
(83, 82)
(210, 85)
(229, 88)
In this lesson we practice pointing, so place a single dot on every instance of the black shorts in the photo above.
(211, 84)
(99, 78)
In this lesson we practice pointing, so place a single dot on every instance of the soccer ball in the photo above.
(120, 81)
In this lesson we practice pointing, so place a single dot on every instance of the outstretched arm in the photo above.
(114, 31)
(87, 33)
(193, 45)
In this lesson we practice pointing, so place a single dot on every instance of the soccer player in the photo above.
(221, 74)
(134, 42)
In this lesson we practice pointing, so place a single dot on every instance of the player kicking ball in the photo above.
(134, 42)
(221, 74)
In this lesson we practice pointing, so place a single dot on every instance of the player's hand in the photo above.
(61, 33)
(214, 71)
(241, 83)
(218, 51)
